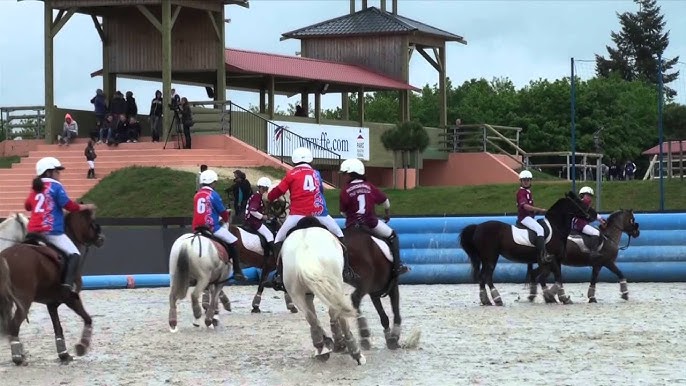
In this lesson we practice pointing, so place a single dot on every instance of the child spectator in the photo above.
(133, 130)
(90, 159)
(70, 130)
(197, 180)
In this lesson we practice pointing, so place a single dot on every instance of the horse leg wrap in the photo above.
(205, 299)
(256, 301)
(496, 297)
(226, 303)
(61, 346)
(317, 338)
(624, 289)
(197, 313)
(363, 327)
(591, 294)
(533, 292)
(17, 349)
(387, 333)
(483, 295)
(86, 335)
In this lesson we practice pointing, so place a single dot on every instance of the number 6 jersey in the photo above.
(306, 187)
(46, 208)
(207, 208)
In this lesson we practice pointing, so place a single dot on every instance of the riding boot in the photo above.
(233, 254)
(71, 265)
(349, 276)
(277, 280)
(398, 267)
(540, 246)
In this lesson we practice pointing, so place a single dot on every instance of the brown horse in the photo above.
(486, 242)
(32, 273)
(578, 252)
(369, 258)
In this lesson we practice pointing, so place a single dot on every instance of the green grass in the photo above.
(164, 192)
(6, 162)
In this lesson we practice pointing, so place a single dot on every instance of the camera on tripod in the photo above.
(175, 107)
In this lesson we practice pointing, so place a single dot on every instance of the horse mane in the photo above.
(18, 217)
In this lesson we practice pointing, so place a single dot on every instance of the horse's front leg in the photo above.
(531, 276)
(623, 287)
(362, 326)
(260, 288)
(75, 304)
(61, 346)
(594, 280)
(548, 293)
(394, 342)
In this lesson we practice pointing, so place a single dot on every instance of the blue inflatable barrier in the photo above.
(430, 246)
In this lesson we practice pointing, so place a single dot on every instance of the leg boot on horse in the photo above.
(233, 254)
(349, 276)
(71, 265)
(540, 246)
(398, 267)
(277, 280)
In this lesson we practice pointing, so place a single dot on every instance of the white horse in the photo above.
(200, 258)
(313, 266)
(13, 230)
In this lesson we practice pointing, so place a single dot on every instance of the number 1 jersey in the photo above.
(306, 188)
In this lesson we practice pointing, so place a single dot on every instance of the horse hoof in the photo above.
(20, 361)
(392, 343)
(548, 297)
(255, 310)
(65, 358)
(173, 330)
(215, 322)
(625, 296)
(531, 298)
(208, 322)
(339, 347)
(361, 360)
(365, 344)
(328, 343)
(81, 349)
(566, 300)
(592, 300)
(324, 357)
(499, 302)
(293, 310)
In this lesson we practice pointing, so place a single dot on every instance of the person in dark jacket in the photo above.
(118, 105)
(156, 116)
(90, 159)
(240, 191)
(133, 130)
(99, 107)
(131, 106)
(186, 121)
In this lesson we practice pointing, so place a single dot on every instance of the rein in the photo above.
(621, 230)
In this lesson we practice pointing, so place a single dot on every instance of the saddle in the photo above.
(263, 240)
(218, 243)
(532, 234)
(46, 248)
(593, 243)
(366, 229)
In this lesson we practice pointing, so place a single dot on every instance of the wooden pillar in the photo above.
(166, 63)
(220, 89)
(352, 6)
(404, 95)
(345, 107)
(394, 4)
(364, 4)
(443, 93)
(49, 74)
(305, 102)
(360, 107)
(383, 5)
(263, 100)
(271, 97)
(318, 107)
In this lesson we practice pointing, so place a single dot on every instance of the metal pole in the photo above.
(660, 130)
(598, 184)
(573, 113)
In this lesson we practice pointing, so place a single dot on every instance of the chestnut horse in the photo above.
(578, 252)
(32, 271)
(486, 242)
(371, 258)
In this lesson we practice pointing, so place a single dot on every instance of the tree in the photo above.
(638, 46)
(406, 137)
(675, 121)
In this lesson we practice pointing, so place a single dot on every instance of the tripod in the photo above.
(175, 123)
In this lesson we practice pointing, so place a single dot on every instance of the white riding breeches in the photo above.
(591, 231)
(91, 164)
(264, 231)
(64, 243)
(382, 230)
(225, 235)
(532, 224)
(292, 220)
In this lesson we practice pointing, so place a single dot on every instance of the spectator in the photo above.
(106, 130)
(197, 182)
(70, 130)
(119, 131)
(175, 98)
(299, 111)
(131, 106)
(133, 130)
(629, 170)
(156, 108)
(118, 105)
(99, 107)
(187, 121)
(90, 159)
(614, 170)
(240, 191)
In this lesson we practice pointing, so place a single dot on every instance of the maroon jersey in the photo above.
(357, 202)
(524, 197)
(579, 223)
(255, 204)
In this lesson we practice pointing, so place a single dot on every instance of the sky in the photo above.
(521, 40)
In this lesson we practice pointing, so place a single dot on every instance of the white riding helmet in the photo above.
(525, 174)
(264, 182)
(586, 190)
(208, 176)
(352, 165)
(48, 163)
(302, 154)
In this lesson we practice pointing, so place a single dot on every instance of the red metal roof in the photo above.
(666, 146)
(311, 69)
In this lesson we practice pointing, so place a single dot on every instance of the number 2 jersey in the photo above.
(306, 187)
(46, 208)
(358, 199)
(208, 208)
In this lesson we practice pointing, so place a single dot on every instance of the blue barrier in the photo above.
(430, 246)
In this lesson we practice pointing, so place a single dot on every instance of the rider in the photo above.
(582, 225)
(526, 212)
(307, 199)
(357, 201)
(46, 202)
(208, 208)
(254, 213)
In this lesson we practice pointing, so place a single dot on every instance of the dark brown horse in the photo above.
(578, 252)
(486, 242)
(32, 273)
(369, 259)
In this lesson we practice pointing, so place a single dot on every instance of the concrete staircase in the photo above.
(212, 150)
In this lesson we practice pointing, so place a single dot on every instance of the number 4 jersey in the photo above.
(46, 208)
(306, 187)
(207, 209)
(358, 200)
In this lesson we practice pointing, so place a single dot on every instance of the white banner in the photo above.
(347, 141)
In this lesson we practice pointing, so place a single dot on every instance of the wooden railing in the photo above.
(27, 122)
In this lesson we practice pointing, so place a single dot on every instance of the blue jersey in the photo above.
(208, 208)
(46, 208)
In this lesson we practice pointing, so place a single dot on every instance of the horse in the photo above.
(578, 252)
(199, 258)
(313, 266)
(31, 271)
(13, 230)
(485, 242)
(372, 259)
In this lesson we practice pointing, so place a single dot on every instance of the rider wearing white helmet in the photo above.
(357, 200)
(582, 225)
(208, 207)
(526, 212)
(307, 199)
(254, 213)
(46, 202)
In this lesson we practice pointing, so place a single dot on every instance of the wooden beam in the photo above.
(352, 6)
(360, 106)
(383, 5)
(270, 108)
(317, 107)
(428, 58)
(443, 93)
(165, 29)
(403, 96)
(410, 51)
(59, 23)
(49, 72)
(394, 5)
(364, 4)
(220, 89)
(420, 39)
(58, 17)
(153, 20)
(176, 14)
(263, 100)
(437, 57)
(98, 28)
(345, 107)
(214, 24)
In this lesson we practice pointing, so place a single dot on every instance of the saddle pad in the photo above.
(579, 241)
(251, 241)
(384, 248)
(521, 236)
(221, 251)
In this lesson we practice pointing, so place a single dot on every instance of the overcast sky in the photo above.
(522, 40)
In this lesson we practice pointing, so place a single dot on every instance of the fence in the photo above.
(27, 122)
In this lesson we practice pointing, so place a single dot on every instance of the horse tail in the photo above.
(467, 244)
(326, 285)
(181, 280)
(7, 298)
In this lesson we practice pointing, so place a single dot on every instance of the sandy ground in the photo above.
(637, 342)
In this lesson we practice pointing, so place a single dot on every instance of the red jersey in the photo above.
(46, 208)
(208, 208)
(306, 187)
(524, 197)
(255, 204)
(357, 202)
